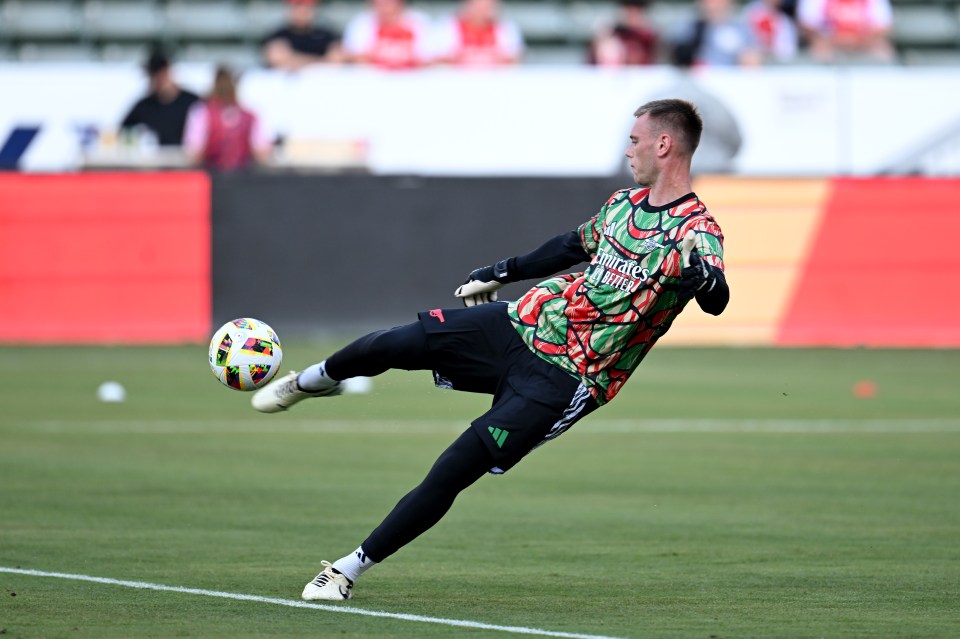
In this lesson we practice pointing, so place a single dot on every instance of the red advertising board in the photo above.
(105, 257)
(881, 270)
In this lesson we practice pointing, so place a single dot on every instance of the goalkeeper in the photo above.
(566, 347)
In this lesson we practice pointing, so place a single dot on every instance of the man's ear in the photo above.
(664, 144)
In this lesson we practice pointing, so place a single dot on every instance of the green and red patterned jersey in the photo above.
(599, 324)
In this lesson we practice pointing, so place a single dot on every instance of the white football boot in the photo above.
(283, 392)
(329, 585)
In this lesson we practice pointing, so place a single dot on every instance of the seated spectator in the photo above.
(164, 109)
(389, 36)
(773, 30)
(716, 38)
(222, 135)
(478, 37)
(631, 41)
(300, 42)
(844, 29)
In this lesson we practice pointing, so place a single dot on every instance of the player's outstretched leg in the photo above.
(401, 347)
(284, 392)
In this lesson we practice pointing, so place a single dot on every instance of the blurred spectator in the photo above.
(223, 135)
(164, 109)
(789, 7)
(389, 36)
(632, 40)
(300, 42)
(842, 29)
(718, 37)
(773, 30)
(477, 36)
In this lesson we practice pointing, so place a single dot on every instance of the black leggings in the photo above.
(403, 347)
(463, 463)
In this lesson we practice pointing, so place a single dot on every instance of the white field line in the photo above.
(588, 426)
(291, 603)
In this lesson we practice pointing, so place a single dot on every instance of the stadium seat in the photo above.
(40, 19)
(586, 18)
(439, 10)
(237, 56)
(206, 20)
(558, 55)
(540, 20)
(925, 25)
(124, 52)
(56, 53)
(264, 17)
(123, 19)
(671, 17)
(338, 14)
(931, 58)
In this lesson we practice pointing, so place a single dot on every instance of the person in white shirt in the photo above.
(774, 31)
(479, 37)
(839, 29)
(389, 36)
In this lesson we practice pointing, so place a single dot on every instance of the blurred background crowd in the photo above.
(398, 34)
(210, 125)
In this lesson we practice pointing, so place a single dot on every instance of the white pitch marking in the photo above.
(290, 603)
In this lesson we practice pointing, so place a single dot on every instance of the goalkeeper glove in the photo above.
(696, 275)
(481, 285)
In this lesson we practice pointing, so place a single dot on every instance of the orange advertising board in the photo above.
(105, 257)
(833, 262)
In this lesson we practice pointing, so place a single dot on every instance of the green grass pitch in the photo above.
(725, 493)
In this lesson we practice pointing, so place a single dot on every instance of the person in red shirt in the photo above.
(223, 135)
(389, 36)
(840, 29)
(632, 40)
(773, 30)
(479, 37)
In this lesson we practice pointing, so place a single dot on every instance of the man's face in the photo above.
(481, 10)
(160, 79)
(301, 13)
(642, 151)
(387, 9)
(715, 10)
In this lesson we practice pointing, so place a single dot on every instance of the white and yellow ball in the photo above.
(245, 354)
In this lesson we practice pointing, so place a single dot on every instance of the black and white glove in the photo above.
(481, 285)
(696, 275)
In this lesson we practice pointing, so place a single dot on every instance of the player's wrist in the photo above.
(499, 272)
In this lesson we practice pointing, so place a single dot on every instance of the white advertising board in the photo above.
(561, 121)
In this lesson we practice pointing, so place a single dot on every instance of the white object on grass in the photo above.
(358, 385)
(111, 392)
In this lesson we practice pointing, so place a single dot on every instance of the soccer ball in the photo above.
(245, 354)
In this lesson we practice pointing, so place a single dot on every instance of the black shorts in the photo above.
(477, 349)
